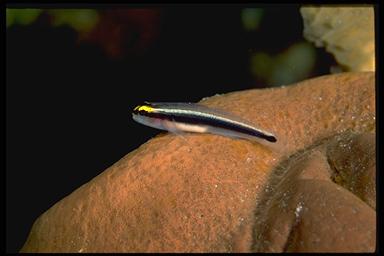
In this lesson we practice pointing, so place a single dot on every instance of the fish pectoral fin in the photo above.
(178, 133)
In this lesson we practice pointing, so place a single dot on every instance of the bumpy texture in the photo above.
(308, 208)
(346, 32)
(312, 191)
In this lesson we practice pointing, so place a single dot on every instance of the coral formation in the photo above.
(205, 193)
(346, 32)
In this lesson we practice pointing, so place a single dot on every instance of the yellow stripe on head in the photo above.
(145, 108)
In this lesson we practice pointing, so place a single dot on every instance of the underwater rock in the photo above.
(208, 193)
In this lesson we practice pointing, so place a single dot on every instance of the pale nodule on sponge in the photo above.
(346, 32)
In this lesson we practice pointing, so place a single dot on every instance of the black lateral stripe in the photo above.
(191, 118)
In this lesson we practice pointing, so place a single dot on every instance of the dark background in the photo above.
(68, 105)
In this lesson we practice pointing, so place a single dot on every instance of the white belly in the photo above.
(190, 127)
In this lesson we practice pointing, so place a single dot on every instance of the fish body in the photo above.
(192, 117)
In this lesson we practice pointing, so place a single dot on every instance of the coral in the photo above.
(346, 32)
(205, 193)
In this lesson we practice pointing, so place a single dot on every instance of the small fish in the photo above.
(192, 117)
